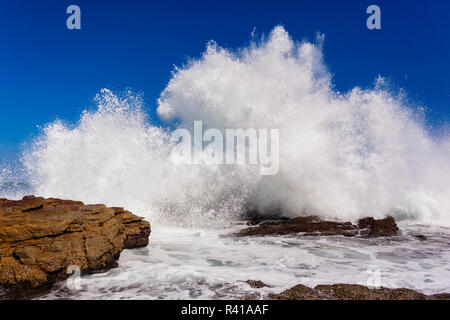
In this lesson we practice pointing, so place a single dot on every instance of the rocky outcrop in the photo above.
(378, 228)
(40, 238)
(312, 225)
(353, 292)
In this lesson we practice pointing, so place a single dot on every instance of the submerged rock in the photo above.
(40, 238)
(256, 284)
(353, 292)
(312, 225)
(421, 237)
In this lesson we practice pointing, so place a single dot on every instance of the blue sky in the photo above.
(49, 72)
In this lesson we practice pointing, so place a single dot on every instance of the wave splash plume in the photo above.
(342, 156)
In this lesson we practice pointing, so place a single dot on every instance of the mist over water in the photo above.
(342, 155)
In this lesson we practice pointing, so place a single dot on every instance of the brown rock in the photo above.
(358, 292)
(353, 292)
(439, 296)
(40, 238)
(136, 228)
(311, 225)
(379, 228)
(298, 292)
(256, 284)
(3, 200)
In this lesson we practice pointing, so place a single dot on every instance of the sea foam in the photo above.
(342, 155)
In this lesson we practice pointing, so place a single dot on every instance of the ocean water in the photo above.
(207, 262)
(197, 263)
(343, 156)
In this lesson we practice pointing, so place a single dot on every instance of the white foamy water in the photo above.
(343, 156)
(200, 264)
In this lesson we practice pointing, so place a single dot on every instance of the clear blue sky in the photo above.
(49, 72)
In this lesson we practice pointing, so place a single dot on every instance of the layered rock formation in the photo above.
(353, 292)
(311, 225)
(40, 238)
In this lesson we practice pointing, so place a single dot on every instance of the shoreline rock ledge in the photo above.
(314, 226)
(40, 238)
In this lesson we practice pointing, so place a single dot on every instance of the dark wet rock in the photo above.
(353, 292)
(312, 225)
(421, 237)
(40, 238)
(254, 217)
(379, 228)
(256, 284)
